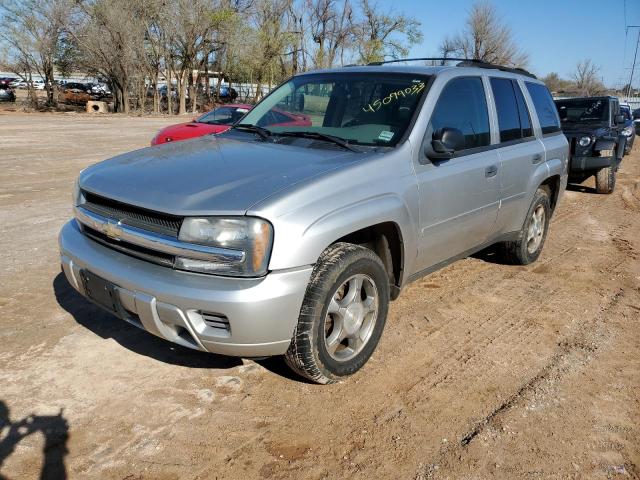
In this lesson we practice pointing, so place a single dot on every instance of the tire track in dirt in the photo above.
(572, 352)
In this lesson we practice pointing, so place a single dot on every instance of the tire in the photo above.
(606, 180)
(317, 351)
(526, 249)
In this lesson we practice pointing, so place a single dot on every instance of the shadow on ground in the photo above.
(55, 430)
(576, 187)
(143, 343)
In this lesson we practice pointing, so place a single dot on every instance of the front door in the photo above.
(459, 197)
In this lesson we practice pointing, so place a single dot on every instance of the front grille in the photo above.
(133, 216)
(130, 249)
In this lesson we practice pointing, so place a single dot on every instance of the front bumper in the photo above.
(581, 164)
(232, 316)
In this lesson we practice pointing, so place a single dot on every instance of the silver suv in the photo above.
(290, 233)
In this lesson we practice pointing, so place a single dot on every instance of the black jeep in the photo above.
(594, 128)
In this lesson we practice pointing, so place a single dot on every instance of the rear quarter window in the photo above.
(545, 108)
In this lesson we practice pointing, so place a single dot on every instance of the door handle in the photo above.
(537, 158)
(491, 171)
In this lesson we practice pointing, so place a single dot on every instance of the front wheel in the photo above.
(606, 180)
(342, 316)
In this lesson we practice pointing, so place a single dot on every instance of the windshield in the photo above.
(590, 110)
(361, 109)
(223, 115)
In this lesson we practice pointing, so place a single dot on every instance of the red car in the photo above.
(220, 120)
(217, 120)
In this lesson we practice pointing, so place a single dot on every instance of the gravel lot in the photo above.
(484, 370)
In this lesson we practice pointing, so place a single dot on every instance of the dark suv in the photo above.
(594, 127)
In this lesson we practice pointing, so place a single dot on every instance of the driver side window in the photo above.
(463, 105)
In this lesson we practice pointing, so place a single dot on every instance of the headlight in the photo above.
(77, 194)
(251, 236)
(584, 141)
(628, 131)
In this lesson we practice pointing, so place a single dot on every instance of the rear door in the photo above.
(521, 153)
(459, 197)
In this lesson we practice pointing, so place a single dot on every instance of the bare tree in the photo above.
(331, 27)
(586, 80)
(110, 39)
(190, 33)
(378, 35)
(271, 41)
(485, 38)
(34, 30)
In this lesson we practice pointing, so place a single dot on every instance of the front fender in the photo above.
(304, 246)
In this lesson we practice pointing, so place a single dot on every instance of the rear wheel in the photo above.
(606, 180)
(342, 316)
(527, 248)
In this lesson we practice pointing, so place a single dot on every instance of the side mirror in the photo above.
(444, 143)
(619, 119)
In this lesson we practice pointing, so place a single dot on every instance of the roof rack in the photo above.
(463, 62)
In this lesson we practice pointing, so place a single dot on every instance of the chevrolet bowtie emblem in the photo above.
(112, 230)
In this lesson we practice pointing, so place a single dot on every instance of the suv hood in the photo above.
(582, 129)
(208, 175)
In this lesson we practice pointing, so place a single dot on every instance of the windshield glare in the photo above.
(583, 111)
(364, 110)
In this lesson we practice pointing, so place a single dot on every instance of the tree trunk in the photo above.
(193, 92)
(31, 92)
(182, 107)
(169, 96)
(50, 86)
(125, 100)
(156, 99)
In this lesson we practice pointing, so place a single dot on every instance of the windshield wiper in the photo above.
(320, 136)
(247, 127)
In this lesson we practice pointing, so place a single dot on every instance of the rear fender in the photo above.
(540, 174)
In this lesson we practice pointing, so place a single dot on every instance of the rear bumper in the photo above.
(231, 316)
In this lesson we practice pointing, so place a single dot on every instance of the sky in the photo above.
(556, 34)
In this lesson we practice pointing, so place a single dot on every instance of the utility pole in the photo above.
(635, 56)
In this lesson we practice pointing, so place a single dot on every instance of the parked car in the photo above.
(6, 81)
(594, 126)
(17, 83)
(174, 91)
(274, 239)
(7, 94)
(220, 120)
(227, 94)
(636, 120)
(75, 93)
(217, 120)
(629, 129)
(100, 89)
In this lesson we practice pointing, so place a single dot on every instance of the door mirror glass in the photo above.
(619, 119)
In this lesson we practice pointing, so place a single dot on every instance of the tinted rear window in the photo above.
(545, 108)
(523, 110)
(507, 109)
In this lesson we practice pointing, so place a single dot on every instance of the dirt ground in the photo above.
(484, 370)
